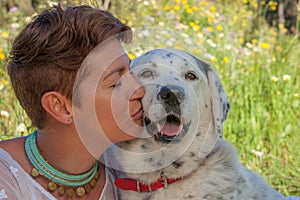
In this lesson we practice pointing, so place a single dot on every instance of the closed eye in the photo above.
(190, 76)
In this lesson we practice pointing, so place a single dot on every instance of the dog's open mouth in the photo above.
(167, 129)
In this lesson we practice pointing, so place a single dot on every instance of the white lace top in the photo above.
(16, 184)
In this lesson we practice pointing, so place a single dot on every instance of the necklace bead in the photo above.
(64, 183)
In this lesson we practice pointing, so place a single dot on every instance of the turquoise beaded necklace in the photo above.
(65, 183)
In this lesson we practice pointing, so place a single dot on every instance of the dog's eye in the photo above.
(190, 76)
(147, 74)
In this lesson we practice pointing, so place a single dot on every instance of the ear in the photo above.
(219, 101)
(58, 106)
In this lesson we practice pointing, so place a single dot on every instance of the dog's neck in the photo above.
(222, 156)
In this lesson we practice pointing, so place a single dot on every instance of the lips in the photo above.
(138, 115)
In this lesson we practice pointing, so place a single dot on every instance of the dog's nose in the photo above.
(171, 95)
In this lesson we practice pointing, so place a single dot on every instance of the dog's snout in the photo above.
(171, 95)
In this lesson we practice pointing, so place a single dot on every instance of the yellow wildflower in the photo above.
(205, 3)
(213, 59)
(241, 40)
(239, 61)
(5, 82)
(295, 95)
(219, 27)
(254, 41)
(264, 45)
(195, 8)
(4, 34)
(167, 7)
(189, 11)
(213, 9)
(210, 29)
(273, 5)
(2, 56)
(177, 7)
(278, 93)
(226, 59)
(196, 28)
(131, 56)
(282, 28)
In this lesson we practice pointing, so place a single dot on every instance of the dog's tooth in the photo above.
(158, 127)
(180, 128)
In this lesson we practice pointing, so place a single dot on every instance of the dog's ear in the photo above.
(219, 101)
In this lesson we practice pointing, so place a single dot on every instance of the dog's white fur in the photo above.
(208, 165)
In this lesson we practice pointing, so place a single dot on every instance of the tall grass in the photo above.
(259, 67)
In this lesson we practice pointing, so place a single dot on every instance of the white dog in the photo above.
(185, 156)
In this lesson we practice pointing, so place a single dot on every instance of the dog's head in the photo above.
(185, 106)
(180, 90)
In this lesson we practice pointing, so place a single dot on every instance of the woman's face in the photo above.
(110, 97)
(118, 101)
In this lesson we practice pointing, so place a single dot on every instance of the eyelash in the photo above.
(116, 84)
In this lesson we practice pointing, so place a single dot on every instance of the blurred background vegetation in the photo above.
(254, 46)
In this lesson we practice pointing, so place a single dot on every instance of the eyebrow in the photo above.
(118, 70)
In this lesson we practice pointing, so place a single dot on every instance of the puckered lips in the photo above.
(167, 129)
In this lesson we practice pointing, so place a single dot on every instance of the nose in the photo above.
(171, 95)
(139, 91)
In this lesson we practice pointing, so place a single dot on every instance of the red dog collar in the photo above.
(136, 185)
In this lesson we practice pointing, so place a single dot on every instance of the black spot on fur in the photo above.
(177, 164)
(176, 79)
(159, 164)
(198, 134)
(191, 154)
(171, 61)
(144, 146)
(168, 55)
(154, 65)
(206, 106)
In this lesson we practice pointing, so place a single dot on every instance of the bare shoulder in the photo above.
(15, 147)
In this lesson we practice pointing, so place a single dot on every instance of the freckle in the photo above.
(206, 106)
(171, 61)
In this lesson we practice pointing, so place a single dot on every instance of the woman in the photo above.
(59, 160)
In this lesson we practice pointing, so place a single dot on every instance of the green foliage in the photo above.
(259, 67)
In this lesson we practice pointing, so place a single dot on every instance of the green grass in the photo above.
(263, 123)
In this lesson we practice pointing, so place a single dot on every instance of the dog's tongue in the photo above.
(170, 129)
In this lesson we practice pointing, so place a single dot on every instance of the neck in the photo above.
(62, 148)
